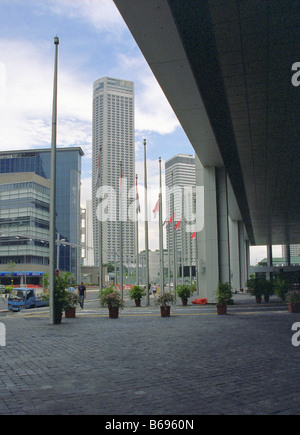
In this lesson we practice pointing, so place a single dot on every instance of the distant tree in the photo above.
(11, 267)
(110, 267)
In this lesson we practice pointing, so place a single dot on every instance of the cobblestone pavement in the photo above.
(193, 363)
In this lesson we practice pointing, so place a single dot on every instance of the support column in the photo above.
(242, 255)
(235, 264)
(287, 255)
(223, 225)
(213, 239)
(207, 238)
(247, 259)
(269, 260)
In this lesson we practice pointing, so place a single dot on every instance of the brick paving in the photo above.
(193, 363)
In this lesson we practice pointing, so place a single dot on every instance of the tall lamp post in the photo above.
(100, 226)
(121, 230)
(137, 279)
(53, 193)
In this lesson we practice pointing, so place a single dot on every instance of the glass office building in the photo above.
(68, 178)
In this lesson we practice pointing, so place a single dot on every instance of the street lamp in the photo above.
(53, 192)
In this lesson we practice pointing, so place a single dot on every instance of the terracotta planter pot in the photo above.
(221, 309)
(137, 302)
(70, 313)
(294, 308)
(165, 311)
(258, 299)
(184, 301)
(113, 313)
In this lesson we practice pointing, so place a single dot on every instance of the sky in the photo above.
(94, 42)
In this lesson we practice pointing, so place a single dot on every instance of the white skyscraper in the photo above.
(113, 131)
(294, 250)
(180, 173)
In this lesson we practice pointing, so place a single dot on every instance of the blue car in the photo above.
(23, 298)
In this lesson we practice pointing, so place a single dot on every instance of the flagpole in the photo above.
(161, 242)
(194, 250)
(182, 236)
(190, 255)
(137, 277)
(146, 226)
(53, 194)
(169, 256)
(197, 268)
(174, 248)
(121, 232)
(100, 226)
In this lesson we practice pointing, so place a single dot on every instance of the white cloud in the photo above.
(26, 84)
(101, 14)
(26, 91)
(152, 110)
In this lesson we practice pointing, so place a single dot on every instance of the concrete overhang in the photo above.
(225, 67)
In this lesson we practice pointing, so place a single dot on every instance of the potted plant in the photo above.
(184, 291)
(111, 299)
(293, 300)
(163, 300)
(255, 287)
(61, 300)
(268, 289)
(223, 297)
(136, 293)
(72, 301)
(281, 288)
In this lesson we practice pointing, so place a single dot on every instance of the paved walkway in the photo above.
(193, 363)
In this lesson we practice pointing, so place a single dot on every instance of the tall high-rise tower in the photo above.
(180, 174)
(113, 132)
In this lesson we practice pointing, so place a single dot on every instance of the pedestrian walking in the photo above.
(81, 294)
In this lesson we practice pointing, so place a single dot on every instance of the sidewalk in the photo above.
(193, 363)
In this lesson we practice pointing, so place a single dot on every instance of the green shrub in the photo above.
(281, 288)
(110, 298)
(137, 292)
(184, 291)
(255, 286)
(224, 293)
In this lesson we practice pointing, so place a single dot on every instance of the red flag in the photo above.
(138, 208)
(155, 210)
(178, 224)
(171, 219)
(193, 235)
